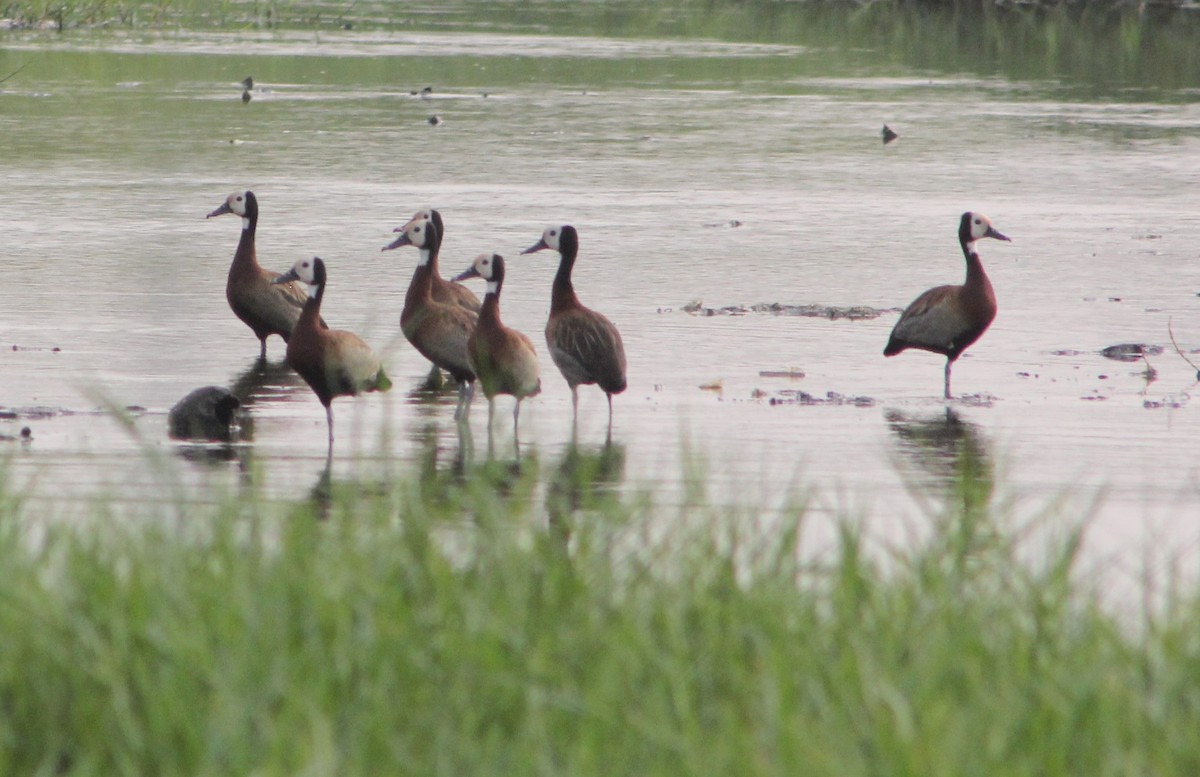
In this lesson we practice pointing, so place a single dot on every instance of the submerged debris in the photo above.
(1122, 352)
(51, 349)
(26, 435)
(1130, 352)
(831, 312)
(797, 397)
(35, 413)
(1172, 402)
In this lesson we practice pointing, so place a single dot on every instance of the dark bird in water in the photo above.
(247, 87)
(246, 96)
(434, 120)
(438, 330)
(888, 134)
(333, 362)
(503, 359)
(266, 307)
(585, 345)
(948, 319)
(208, 413)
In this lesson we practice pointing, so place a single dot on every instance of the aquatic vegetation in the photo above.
(416, 631)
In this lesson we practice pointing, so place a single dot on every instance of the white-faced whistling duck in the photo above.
(444, 290)
(333, 362)
(439, 330)
(585, 345)
(948, 319)
(503, 359)
(266, 307)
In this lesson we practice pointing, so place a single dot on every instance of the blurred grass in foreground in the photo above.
(413, 629)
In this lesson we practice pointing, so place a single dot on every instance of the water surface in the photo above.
(727, 173)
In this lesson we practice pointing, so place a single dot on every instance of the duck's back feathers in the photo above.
(265, 308)
(439, 332)
(587, 348)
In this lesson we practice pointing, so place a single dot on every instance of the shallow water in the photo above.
(730, 174)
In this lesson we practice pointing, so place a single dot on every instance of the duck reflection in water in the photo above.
(586, 479)
(321, 494)
(352, 495)
(445, 472)
(954, 455)
(439, 472)
(434, 392)
(265, 381)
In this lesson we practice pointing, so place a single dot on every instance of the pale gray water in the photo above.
(115, 147)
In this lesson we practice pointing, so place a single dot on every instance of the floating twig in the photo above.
(1179, 350)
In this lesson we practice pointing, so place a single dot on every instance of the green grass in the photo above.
(422, 629)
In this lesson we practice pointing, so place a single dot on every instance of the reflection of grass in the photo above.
(394, 637)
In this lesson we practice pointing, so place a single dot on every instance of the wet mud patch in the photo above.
(798, 397)
(42, 413)
(1170, 402)
(1130, 352)
(1122, 352)
(830, 312)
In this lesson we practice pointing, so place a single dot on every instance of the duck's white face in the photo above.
(485, 265)
(424, 214)
(417, 232)
(980, 224)
(552, 237)
(237, 203)
(981, 227)
(305, 270)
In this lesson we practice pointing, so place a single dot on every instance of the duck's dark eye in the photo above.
(554, 233)
(978, 222)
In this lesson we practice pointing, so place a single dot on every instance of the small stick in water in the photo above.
(1179, 351)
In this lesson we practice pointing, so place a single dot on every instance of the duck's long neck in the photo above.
(420, 288)
(489, 313)
(977, 281)
(562, 294)
(245, 260)
(436, 243)
(310, 315)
